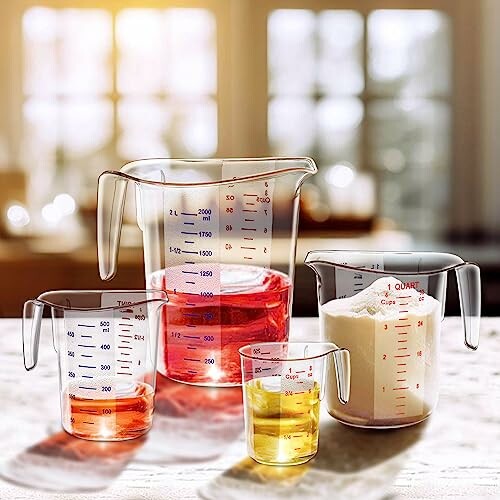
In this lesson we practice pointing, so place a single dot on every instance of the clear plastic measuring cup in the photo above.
(219, 237)
(386, 309)
(283, 384)
(107, 347)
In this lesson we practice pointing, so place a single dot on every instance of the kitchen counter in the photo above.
(201, 451)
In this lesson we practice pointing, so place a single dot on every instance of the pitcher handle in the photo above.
(32, 322)
(342, 363)
(469, 291)
(112, 189)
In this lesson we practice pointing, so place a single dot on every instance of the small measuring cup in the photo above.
(387, 308)
(283, 384)
(107, 347)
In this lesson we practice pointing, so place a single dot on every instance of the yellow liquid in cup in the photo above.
(282, 426)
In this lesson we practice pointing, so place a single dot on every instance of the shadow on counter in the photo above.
(351, 463)
(190, 425)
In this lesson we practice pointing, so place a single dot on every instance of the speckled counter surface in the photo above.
(456, 453)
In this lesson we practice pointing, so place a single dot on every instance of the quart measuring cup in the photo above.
(283, 384)
(386, 309)
(107, 348)
(219, 237)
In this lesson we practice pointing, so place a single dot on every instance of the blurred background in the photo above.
(396, 100)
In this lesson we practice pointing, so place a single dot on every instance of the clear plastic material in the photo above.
(219, 237)
(283, 384)
(107, 347)
(386, 309)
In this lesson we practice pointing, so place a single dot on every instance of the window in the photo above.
(374, 91)
(156, 98)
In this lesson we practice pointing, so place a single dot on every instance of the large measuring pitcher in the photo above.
(219, 237)
(107, 348)
(386, 309)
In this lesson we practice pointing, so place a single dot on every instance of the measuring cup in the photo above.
(283, 384)
(107, 346)
(209, 231)
(386, 309)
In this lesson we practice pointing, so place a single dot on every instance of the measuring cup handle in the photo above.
(112, 189)
(32, 322)
(469, 291)
(342, 363)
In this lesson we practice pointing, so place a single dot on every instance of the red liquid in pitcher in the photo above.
(200, 335)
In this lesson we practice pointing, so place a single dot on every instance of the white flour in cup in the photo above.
(391, 330)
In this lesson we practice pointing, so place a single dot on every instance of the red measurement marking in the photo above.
(401, 413)
(249, 195)
(248, 229)
(400, 388)
(191, 348)
(249, 239)
(248, 203)
(301, 371)
(298, 403)
(403, 319)
(402, 326)
(403, 311)
(402, 371)
(246, 210)
(402, 348)
(400, 406)
(402, 356)
(401, 380)
(301, 392)
(405, 297)
(191, 359)
(248, 248)
(296, 449)
(296, 435)
(401, 364)
(403, 340)
(402, 333)
(248, 258)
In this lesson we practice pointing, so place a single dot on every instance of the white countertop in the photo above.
(456, 453)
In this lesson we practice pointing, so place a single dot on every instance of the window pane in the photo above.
(291, 52)
(143, 123)
(339, 121)
(142, 50)
(409, 133)
(340, 63)
(194, 128)
(66, 51)
(291, 126)
(409, 52)
(191, 46)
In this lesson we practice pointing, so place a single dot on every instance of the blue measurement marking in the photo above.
(87, 326)
(81, 345)
(189, 223)
(86, 366)
(89, 388)
(188, 251)
(86, 336)
(190, 272)
(86, 355)
(187, 232)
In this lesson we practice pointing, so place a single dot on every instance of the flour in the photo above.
(391, 330)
